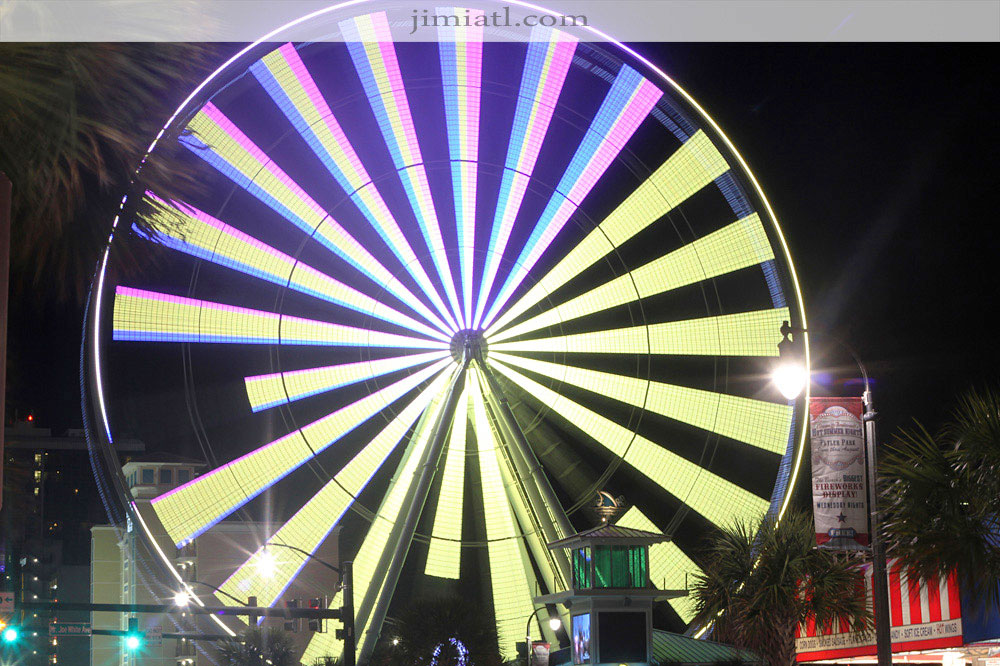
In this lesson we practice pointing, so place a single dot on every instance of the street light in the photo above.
(267, 566)
(554, 624)
(790, 381)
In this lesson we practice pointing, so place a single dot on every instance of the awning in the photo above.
(924, 615)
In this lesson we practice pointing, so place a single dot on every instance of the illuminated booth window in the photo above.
(617, 566)
(583, 578)
(620, 566)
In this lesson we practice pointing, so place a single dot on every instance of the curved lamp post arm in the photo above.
(307, 554)
(187, 585)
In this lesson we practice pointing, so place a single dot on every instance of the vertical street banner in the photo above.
(540, 653)
(840, 491)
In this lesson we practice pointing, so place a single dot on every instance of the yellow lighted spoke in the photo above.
(316, 519)
(189, 230)
(366, 576)
(150, 316)
(512, 597)
(695, 164)
(189, 510)
(216, 139)
(713, 497)
(278, 388)
(762, 424)
(668, 565)
(444, 551)
(734, 247)
(744, 334)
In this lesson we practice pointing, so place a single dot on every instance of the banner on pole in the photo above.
(840, 490)
(540, 653)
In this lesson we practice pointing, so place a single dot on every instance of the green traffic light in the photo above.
(133, 642)
(10, 634)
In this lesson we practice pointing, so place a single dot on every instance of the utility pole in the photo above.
(347, 611)
(5, 203)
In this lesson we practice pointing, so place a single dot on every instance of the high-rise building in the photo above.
(50, 503)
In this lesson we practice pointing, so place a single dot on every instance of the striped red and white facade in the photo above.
(925, 615)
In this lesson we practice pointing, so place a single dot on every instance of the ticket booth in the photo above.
(611, 602)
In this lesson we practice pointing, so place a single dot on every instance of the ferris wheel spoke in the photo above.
(737, 246)
(461, 55)
(626, 105)
(186, 229)
(287, 80)
(512, 591)
(380, 539)
(370, 44)
(753, 333)
(189, 510)
(712, 496)
(761, 424)
(314, 521)
(444, 553)
(279, 388)
(218, 141)
(693, 166)
(150, 316)
(550, 53)
(669, 566)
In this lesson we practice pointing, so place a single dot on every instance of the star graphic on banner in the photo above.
(841, 518)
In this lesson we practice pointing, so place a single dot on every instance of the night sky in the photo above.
(880, 164)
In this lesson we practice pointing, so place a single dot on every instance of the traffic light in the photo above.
(292, 624)
(315, 624)
(133, 637)
(11, 634)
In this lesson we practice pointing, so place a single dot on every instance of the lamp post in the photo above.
(790, 381)
(554, 624)
(346, 573)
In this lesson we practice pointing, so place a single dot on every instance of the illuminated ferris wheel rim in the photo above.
(183, 110)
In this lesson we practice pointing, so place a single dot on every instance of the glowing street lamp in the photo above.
(791, 376)
(267, 564)
(554, 624)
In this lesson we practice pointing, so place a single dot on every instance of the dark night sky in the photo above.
(880, 163)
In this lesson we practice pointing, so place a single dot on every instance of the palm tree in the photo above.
(759, 582)
(256, 647)
(941, 497)
(75, 120)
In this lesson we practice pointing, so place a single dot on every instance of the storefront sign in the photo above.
(840, 496)
(924, 615)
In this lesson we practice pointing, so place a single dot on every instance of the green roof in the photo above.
(671, 648)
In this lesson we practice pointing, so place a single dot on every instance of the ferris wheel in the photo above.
(445, 295)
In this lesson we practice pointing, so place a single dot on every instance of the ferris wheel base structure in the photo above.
(438, 296)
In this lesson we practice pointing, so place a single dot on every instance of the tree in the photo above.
(257, 647)
(424, 626)
(941, 497)
(759, 582)
(75, 121)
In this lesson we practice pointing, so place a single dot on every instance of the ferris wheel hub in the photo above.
(468, 342)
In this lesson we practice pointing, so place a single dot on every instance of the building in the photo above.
(50, 502)
(126, 570)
